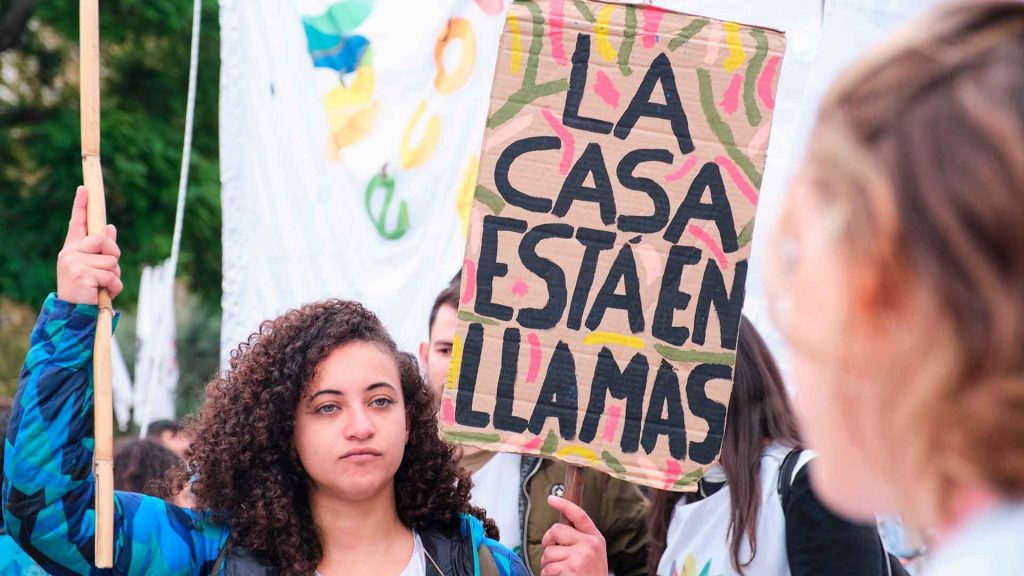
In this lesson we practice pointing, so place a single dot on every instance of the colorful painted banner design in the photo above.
(609, 234)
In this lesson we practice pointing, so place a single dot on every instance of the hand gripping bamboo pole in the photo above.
(574, 479)
(103, 428)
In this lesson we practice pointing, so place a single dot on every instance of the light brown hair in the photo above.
(922, 145)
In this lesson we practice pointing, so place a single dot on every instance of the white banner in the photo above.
(350, 132)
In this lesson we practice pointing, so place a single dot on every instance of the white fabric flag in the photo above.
(156, 364)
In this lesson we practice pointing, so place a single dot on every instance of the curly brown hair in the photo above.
(244, 467)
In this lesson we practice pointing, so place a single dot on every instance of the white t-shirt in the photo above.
(417, 565)
(496, 489)
(697, 541)
(989, 545)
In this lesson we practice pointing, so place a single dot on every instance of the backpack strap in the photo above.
(220, 558)
(488, 567)
(786, 473)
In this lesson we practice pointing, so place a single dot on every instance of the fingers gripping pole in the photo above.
(573, 488)
(103, 411)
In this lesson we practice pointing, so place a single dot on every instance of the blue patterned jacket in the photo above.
(49, 486)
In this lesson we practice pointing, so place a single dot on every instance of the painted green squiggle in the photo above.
(750, 80)
(722, 130)
(746, 234)
(490, 199)
(628, 37)
(696, 356)
(688, 32)
(470, 317)
(482, 437)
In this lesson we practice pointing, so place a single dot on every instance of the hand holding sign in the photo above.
(574, 549)
(609, 237)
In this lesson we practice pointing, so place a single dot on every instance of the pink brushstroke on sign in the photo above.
(731, 98)
(469, 279)
(652, 20)
(520, 288)
(612, 426)
(568, 142)
(738, 178)
(606, 90)
(764, 83)
(723, 263)
(672, 472)
(448, 411)
(535, 357)
(556, 18)
(534, 444)
(490, 7)
(683, 171)
(507, 132)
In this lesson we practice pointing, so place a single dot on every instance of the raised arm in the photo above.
(48, 481)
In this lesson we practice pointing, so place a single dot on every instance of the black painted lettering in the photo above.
(665, 416)
(671, 298)
(728, 306)
(471, 350)
(591, 162)
(506, 401)
(559, 397)
(718, 210)
(552, 274)
(595, 241)
(660, 72)
(504, 166)
(629, 385)
(623, 269)
(577, 87)
(488, 268)
(701, 406)
(625, 172)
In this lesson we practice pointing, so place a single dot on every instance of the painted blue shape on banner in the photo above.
(343, 55)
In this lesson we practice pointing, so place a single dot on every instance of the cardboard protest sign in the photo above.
(607, 254)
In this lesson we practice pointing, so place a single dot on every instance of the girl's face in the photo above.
(350, 425)
(814, 297)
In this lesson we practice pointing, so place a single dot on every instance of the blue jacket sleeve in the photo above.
(49, 486)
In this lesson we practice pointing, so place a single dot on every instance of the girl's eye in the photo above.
(381, 402)
(327, 409)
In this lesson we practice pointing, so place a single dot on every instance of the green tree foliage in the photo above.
(145, 48)
(145, 57)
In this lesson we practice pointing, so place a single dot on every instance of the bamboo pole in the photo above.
(103, 402)
(573, 488)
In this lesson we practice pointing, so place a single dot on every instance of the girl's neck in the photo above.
(966, 504)
(361, 537)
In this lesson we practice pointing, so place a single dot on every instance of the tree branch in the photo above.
(14, 22)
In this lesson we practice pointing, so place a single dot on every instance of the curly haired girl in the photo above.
(316, 453)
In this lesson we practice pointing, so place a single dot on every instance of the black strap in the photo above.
(785, 483)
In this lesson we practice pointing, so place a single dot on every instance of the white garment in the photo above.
(418, 562)
(496, 489)
(698, 535)
(988, 545)
(417, 565)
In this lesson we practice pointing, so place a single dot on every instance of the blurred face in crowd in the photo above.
(818, 298)
(177, 442)
(350, 425)
(436, 355)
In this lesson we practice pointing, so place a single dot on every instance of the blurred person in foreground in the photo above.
(898, 279)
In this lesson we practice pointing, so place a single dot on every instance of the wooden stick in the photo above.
(103, 401)
(573, 488)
